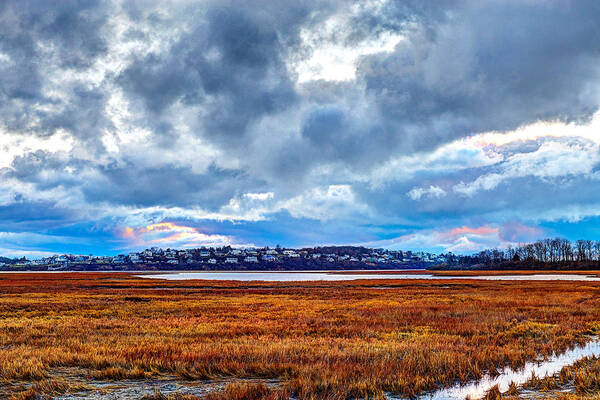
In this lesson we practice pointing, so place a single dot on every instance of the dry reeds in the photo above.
(322, 340)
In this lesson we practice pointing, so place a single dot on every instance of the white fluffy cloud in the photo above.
(430, 192)
(553, 159)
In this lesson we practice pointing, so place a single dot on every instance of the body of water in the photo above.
(477, 389)
(331, 276)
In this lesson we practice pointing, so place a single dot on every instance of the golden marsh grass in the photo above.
(321, 340)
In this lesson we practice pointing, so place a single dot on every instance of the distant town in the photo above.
(228, 258)
(556, 254)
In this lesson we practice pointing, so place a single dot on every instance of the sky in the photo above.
(411, 125)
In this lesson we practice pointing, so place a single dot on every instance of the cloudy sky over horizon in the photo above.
(435, 125)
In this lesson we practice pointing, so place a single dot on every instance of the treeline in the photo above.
(557, 253)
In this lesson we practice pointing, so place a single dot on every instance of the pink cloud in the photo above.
(516, 232)
(465, 239)
(464, 231)
(171, 235)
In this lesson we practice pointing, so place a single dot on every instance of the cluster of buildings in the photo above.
(239, 258)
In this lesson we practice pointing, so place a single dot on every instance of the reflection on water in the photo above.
(328, 276)
(542, 369)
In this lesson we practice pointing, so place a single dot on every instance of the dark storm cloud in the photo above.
(231, 63)
(488, 66)
(168, 186)
(83, 115)
(127, 183)
(458, 71)
(38, 38)
(334, 134)
(462, 68)
(44, 170)
(74, 27)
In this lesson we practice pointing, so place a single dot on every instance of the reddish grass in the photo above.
(323, 340)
